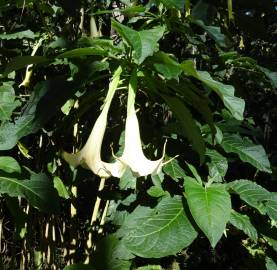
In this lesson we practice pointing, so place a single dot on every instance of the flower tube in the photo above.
(133, 155)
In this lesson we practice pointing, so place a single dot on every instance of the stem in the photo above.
(230, 10)
(94, 217)
(102, 222)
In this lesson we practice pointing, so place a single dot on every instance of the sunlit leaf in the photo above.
(252, 193)
(247, 151)
(9, 165)
(210, 207)
(242, 222)
(158, 232)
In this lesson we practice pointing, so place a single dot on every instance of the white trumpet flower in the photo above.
(90, 155)
(133, 155)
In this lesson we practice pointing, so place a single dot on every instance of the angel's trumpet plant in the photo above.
(133, 155)
(90, 155)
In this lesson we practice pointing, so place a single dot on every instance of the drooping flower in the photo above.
(133, 155)
(90, 155)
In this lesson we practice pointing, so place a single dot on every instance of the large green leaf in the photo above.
(217, 165)
(19, 35)
(144, 43)
(9, 165)
(210, 207)
(7, 102)
(247, 151)
(39, 191)
(242, 222)
(224, 91)
(252, 193)
(178, 4)
(158, 232)
(187, 123)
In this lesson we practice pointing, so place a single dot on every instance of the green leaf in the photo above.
(10, 132)
(60, 187)
(128, 10)
(39, 191)
(166, 65)
(111, 254)
(194, 98)
(270, 264)
(127, 180)
(156, 192)
(150, 267)
(19, 35)
(82, 52)
(210, 207)
(252, 193)
(242, 222)
(144, 43)
(157, 179)
(271, 206)
(226, 92)
(7, 102)
(9, 165)
(178, 4)
(271, 75)
(187, 123)
(174, 170)
(36, 112)
(20, 62)
(194, 173)
(158, 232)
(247, 151)
(215, 33)
(218, 165)
(272, 242)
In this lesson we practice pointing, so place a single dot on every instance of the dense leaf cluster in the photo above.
(205, 83)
